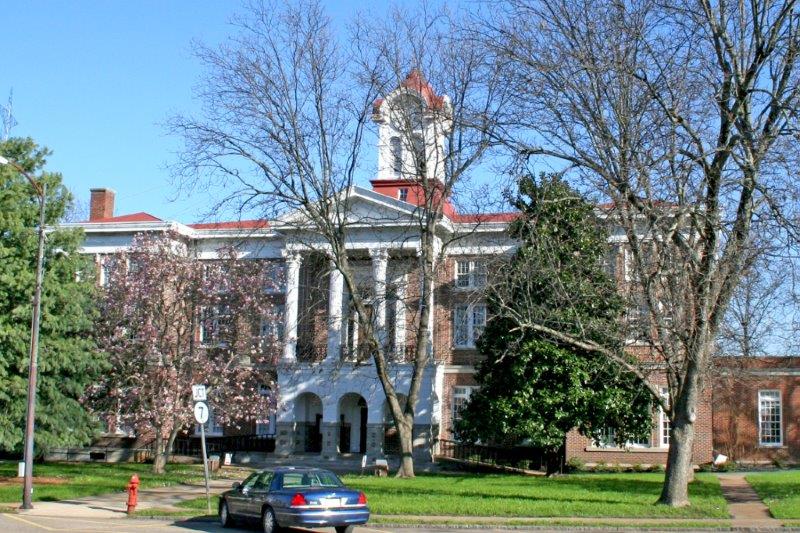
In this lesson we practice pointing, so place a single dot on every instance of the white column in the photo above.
(400, 316)
(293, 260)
(380, 260)
(335, 291)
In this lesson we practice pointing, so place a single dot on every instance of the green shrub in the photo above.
(576, 464)
(638, 467)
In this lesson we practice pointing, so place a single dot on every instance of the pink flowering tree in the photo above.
(170, 320)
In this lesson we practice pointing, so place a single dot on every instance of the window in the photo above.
(663, 425)
(275, 282)
(470, 274)
(106, 269)
(420, 157)
(468, 323)
(610, 261)
(608, 439)
(769, 418)
(212, 427)
(397, 155)
(403, 194)
(272, 327)
(461, 396)
(214, 322)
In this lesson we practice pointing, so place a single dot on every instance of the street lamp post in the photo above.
(41, 191)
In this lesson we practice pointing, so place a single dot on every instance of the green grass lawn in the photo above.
(780, 491)
(87, 479)
(601, 495)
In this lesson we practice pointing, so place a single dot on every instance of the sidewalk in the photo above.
(114, 505)
(746, 508)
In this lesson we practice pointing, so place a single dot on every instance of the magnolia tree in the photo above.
(170, 321)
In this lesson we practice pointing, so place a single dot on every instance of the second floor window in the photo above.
(403, 194)
(470, 274)
(468, 323)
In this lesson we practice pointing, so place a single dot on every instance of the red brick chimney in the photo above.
(101, 204)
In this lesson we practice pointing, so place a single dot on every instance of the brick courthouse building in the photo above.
(329, 405)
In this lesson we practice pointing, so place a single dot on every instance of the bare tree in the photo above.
(683, 115)
(288, 104)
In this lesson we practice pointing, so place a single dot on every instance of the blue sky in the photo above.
(94, 81)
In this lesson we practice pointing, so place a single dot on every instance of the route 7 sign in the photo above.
(201, 412)
(199, 393)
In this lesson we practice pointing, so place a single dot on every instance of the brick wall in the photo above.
(582, 448)
(736, 415)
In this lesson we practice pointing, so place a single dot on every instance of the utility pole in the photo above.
(33, 365)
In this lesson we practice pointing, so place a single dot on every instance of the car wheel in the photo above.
(345, 529)
(268, 522)
(225, 518)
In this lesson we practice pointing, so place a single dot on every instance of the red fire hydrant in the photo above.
(133, 493)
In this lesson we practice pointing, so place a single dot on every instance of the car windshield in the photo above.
(301, 480)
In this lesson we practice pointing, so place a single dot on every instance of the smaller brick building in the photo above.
(756, 409)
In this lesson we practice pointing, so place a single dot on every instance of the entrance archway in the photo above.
(353, 413)
(308, 423)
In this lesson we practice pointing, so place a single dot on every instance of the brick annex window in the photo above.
(403, 194)
(468, 323)
(470, 274)
(461, 396)
(770, 432)
(663, 422)
(608, 439)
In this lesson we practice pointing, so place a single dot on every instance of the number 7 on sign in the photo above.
(201, 412)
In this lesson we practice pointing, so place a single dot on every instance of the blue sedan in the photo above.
(287, 496)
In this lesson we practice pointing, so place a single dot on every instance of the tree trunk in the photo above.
(675, 492)
(406, 469)
(170, 443)
(553, 461)
(159, 459)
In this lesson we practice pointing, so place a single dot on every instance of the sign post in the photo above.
(201, 415)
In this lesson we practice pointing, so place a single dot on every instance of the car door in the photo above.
(238, 500)
(258, 494)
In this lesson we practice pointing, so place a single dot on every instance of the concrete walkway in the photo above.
(114, 505)
(746, 508)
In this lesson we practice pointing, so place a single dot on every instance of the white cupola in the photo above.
(413, 126)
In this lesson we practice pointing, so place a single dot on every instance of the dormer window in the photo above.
(397, 155)
(403, 194)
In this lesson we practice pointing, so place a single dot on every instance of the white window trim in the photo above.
(470, 310)
(780, 419)
(468, 390)
(662, 418)
(472, 265)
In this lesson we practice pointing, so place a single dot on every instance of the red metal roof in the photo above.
(416, 81)
(133, 217)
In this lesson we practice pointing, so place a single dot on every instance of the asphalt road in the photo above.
(38, 524)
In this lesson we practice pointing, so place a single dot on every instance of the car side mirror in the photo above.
(236, 485)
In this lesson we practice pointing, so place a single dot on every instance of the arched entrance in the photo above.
(308, 422)
(352, 423)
